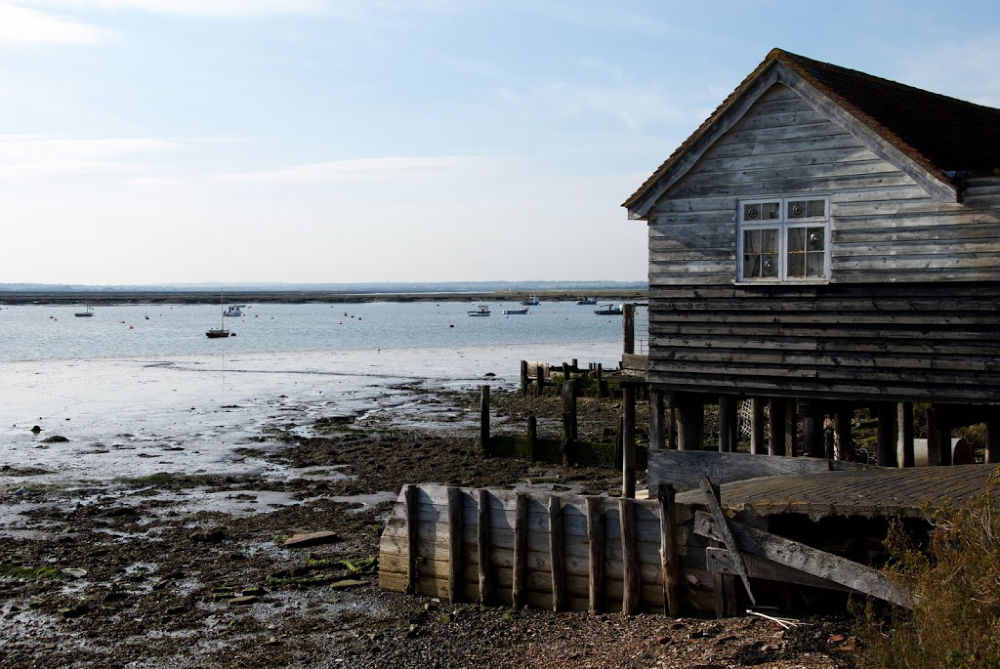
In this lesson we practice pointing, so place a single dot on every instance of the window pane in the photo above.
(769, 210)
(751, 212)
(816, 238)
(751, 266)
(796, 265)
(816, 208)
(769, 240)
(769, 265)
(814, 264)
(806, 208)
(796, 240)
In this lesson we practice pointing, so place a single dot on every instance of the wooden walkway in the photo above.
(880, 491)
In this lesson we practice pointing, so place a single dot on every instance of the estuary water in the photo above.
(139, 389)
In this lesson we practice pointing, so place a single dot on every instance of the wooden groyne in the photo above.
(553, 551)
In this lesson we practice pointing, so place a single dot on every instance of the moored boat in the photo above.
(587, 300)
(609, 310)
(531, 301)
(481, 310)
(515, 312)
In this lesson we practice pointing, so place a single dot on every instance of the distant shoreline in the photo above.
(117, 297)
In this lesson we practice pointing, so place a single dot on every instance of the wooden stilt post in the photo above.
(938, 437)
(524, 377)
(690, 423)
(595, 537)
(533, 438)
(540, 379)
(557, 570)
(669, 566)
(992, 454)
(727, 424)
(519, 586)
(628, 440)
(484, 419)
(887, 435)
(569, 437)
(776, 422)
(456, 554)
(602, 387)
(630, 557)
(757, 444)
(812, 429)
(843, 440)
(657, 431)
(791, 428)
(412, 547)
(486, 586)
(628, 328)
(904, 434)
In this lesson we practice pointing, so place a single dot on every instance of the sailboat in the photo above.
(85, 314)
(221, 331)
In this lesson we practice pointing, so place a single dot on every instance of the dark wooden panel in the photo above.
(866, 342)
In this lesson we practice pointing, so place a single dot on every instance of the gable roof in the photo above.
(939, 136)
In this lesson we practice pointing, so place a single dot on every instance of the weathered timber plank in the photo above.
(684, 470)
(669, 562)
(630, 569)
(557, 571)
(520, 549)
(483, 544)
(595, 566)
(722, 529)
(804, 558)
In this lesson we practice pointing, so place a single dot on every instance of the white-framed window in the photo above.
(784, 238)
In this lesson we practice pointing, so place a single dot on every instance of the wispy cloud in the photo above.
(368, 169)
(32, 155)
(22, 25)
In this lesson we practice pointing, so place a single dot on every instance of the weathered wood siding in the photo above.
(910, 312)
(884, 227)
(926, 341)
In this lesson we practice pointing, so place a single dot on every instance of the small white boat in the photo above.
(233, 310)
(587, 300)
(481, 310)
(531, 301)
(515, 312)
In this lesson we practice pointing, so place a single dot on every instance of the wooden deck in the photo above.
(863, 493)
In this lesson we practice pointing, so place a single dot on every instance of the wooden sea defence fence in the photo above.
(554, 551)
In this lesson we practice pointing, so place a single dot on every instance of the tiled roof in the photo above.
(944, 135)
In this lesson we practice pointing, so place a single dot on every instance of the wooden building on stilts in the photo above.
(827, 241)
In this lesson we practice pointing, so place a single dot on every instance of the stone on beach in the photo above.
(311, 539)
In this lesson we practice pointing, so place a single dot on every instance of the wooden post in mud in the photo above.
(628, 440)
(669, 564)
(628, 327)
(533, 437)
(524, 377)
(570, 433)
(486, 579)
(602, 387)
(519, 587)
(540, 379)
(411, 538)
(595, 540)
(558, 573)
(843, 440)
(456, 554)
(484, 419)
(630, 556)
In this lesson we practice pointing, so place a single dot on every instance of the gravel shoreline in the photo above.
(123, 574)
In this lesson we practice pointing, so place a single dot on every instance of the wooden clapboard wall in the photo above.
(579, 566)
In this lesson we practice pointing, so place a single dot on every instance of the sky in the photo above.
(313, 141)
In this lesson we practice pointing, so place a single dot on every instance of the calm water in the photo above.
(54, 333)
